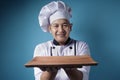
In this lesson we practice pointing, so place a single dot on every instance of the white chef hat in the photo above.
(53, 11)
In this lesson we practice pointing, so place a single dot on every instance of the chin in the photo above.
(61, 40)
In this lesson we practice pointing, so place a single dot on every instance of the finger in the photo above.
(52, 69)
(43, 68)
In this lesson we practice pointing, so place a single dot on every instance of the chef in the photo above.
(55, 19)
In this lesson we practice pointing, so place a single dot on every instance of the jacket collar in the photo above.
(56, 43)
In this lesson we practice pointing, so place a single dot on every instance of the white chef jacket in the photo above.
(72, 48)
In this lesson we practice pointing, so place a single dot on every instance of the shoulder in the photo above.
(44, 44)
(80, 43)
(82, 47)
(42, 48)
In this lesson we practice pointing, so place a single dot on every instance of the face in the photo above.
(60, 29)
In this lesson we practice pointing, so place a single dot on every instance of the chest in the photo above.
(62, 50)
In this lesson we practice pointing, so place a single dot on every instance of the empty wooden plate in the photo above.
(61, 61)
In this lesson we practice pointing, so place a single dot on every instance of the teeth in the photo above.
(61, 34)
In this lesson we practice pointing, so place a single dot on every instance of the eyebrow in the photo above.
(62, 23)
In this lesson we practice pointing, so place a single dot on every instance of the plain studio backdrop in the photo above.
(95, 21)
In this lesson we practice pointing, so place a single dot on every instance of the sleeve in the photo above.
(37, 71)
(83, 49)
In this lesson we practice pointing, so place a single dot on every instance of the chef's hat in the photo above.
(53, 11)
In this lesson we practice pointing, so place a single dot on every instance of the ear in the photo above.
(49, 27)
(71, 26)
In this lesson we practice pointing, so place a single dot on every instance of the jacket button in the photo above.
(70, 47)
(53, 47)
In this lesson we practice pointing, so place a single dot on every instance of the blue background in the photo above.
(95, 21)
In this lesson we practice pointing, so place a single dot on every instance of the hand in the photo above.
(48, 73)
(69, 69)
(50, 69)
(74, 74)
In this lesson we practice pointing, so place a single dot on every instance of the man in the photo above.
(55, 18)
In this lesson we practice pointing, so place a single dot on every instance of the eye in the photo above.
(65, 25)
(55, 26)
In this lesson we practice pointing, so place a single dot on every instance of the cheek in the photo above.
(68, 31)
(53, 32)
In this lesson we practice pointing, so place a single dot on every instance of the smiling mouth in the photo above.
(61, 35)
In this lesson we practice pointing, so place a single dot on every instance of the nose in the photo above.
(61, 29)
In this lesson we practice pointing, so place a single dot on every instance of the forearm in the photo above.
(46, 75)
(74, 74)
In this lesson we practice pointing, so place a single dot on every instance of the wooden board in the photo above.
(61, 61)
